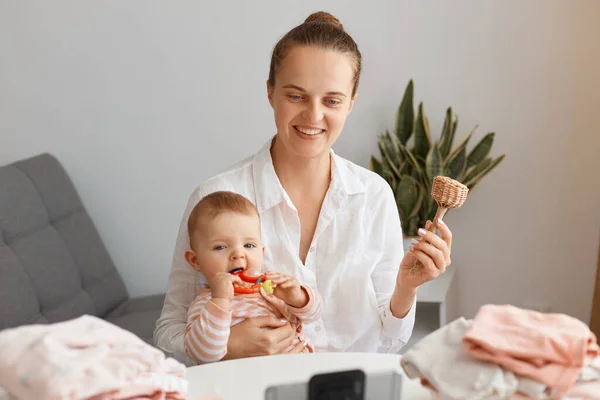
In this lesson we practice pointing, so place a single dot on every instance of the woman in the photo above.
(332, 224)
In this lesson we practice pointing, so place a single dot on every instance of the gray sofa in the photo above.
(53, 264)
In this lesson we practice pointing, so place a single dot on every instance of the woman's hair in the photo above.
(323, 30)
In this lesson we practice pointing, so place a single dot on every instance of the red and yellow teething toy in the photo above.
(257, 281)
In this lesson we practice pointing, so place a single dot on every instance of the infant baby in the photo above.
(225, 243)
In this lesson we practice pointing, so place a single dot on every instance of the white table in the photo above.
(248, 378)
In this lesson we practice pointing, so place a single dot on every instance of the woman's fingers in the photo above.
(268, 321)
(433, 245)
(280, 339)
(298, 348)
(258, 336)
(434, 255)
(445, 231)
(429, 267)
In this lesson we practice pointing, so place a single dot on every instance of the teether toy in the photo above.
(267, 285)
(448, 193)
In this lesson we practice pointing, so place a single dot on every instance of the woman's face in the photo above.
(311, 99)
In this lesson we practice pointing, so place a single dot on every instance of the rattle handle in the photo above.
(441, 211)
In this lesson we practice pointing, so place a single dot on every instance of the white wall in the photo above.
(142, 100)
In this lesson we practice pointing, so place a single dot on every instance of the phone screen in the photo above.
(375, 386)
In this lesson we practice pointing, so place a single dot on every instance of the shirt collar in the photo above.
(350, 182)
(269, 191)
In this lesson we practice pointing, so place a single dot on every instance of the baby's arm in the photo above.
(312, 310)
(207, 330)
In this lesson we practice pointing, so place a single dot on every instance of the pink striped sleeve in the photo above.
(207, 330)
(312, 310)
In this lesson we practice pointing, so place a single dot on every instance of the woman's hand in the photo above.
(261, 336)
(433, 252)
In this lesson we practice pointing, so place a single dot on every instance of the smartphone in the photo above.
(342, 385)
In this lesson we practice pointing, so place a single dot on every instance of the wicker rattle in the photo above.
(448, 193)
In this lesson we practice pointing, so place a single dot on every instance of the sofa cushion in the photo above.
(53, 264)
(138, 315)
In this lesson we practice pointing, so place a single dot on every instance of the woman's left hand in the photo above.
(433, 252)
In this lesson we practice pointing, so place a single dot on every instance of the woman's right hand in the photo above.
(261, 336)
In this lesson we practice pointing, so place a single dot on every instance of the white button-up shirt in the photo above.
(352, 262)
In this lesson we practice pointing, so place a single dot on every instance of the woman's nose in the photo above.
(313, 112)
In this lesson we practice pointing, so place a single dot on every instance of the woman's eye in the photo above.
(221, 247)
(249, 245)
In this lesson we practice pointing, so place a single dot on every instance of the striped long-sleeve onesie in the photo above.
(208, 325)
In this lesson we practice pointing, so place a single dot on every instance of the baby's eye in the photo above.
(249, 245)
(220, 247)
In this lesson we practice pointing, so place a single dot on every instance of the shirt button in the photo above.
(317, 328)
(312, 249)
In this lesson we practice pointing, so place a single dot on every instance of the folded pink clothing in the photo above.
(584, 391)
(86, 358)
(549, 348)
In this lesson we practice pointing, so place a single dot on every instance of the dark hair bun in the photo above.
(322, 16)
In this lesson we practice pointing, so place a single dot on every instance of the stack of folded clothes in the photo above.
(508, 353)
(86, 358)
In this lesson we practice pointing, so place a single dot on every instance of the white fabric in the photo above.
(353, 260)
(591, 372)
(441, 358)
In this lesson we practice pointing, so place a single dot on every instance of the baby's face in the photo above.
(227, 242)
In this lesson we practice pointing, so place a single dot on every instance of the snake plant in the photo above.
(409, 166)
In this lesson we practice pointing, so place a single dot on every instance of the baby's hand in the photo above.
(288, 289)
(221, 285)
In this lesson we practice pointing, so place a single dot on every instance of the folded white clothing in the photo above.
(441, 359)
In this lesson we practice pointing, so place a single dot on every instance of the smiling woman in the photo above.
(309, 115)
(326, 223)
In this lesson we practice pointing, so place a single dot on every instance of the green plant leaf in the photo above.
(417, 168)
(477, 168)
(406, 168)
(409, 228)
(462, 145)
(457, 164)
(405, 116)
(389, 177)
(422, 136)
(376, 166)
(391, 158)
(433, 164)
(481, 150)
(429, 209)
(475, 180)
(409, 196)
(447, 136)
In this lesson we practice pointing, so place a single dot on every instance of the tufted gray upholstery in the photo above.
(53, 264)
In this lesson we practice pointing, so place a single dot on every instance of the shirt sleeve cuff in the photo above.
(398, 328)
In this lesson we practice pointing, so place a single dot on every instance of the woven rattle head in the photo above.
(448, 193)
